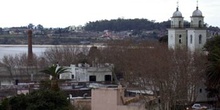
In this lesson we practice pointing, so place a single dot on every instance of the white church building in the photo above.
(193, 38)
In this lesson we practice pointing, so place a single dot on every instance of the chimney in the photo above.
(30, 53)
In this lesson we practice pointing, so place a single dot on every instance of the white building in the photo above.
(84, 73)
(193, 38)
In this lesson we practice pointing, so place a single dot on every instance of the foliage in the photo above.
(94, 56)
(30, 26)
(45, 84)
(65, 55)
(54, 71)
(212, 44)
(213, 68)
(14, 64)
(164, 39)
(125, 24)
(37, 100)
(136, 25)
(152, 66)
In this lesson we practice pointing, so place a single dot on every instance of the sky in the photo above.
(64, 13)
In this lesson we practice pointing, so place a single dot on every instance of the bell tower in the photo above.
(177, 32)
(197, 33)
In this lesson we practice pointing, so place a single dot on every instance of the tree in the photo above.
(54, 71)
(121, 24)
(64, 55)
(47, 99)
(17, 66)
(30, 26)
(213, 68)
(164, 39)
(172, 76)
(37, 100)
(40, 27)
(94, 56)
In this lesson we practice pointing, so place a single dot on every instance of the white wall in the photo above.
(173, 38)
(83, 73)
(7, 82)
(68, 75)
(195, 39)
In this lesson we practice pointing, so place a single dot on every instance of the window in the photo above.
(92, 78)
(200, 24)
(191, 38)
(179, 24)
(200, 90)
(180, 39)
(200, 39)
(186, 39)
(171, 23)
(108, 78)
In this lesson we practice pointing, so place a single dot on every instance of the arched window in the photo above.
(191, 24)
(200, 39)
(172, 24)
(186, 39)
(191, 38)
(179, 24)
(200, 24)
(180, 39)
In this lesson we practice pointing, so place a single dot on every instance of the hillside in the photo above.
(95, 32)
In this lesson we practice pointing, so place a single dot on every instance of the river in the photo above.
(20, 49)
(37, 49)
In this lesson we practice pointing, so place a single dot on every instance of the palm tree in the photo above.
(213, 68)
(213, 71)
(54, 71)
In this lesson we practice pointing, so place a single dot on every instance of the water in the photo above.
(37, 49)
(21, 49)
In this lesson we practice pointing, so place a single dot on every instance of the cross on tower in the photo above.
(197, 3)
(178, 4)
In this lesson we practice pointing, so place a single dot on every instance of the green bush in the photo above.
(37, 100)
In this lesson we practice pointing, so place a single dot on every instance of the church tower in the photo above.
(177, 32)
(197, 33)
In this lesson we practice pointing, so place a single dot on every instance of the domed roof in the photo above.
(177, 13)
(197, 12)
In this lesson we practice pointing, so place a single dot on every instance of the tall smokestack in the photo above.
(30, 53)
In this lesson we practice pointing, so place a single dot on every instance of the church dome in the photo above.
(177, 13)
(197, 12)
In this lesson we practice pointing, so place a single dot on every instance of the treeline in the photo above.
(126, 24)
(134, 24)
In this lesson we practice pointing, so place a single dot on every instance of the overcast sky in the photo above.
(63, 13)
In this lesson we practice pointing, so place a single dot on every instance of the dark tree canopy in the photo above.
(137, 24)
(125, 24)
(37, 100)
(213, 68)
(164, 39)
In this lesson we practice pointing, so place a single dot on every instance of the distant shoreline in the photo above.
(1, 45)
(48, 46)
